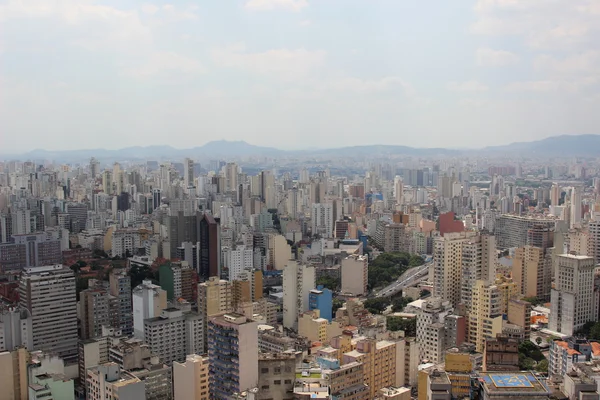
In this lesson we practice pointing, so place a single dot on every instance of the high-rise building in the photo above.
(431, 329)
(594, 243)
(321, 299)
(215, 297)
(239, 260)
(511, 230)
(298, 281)
(576, 215)
(322, 219)
(277, 376)
(107, 381)
(32, 250)
(572, 298)
(355, 275)
(174, 334)
(15, 328)
(14, 377)
(232, 354)
(532, 272)
(447, 266)
(399, 190)
(188, 173)
(122, 309)
(478, 263)
(489, 303)
(148, 302)
(209, 246)
(181, 227)
(48, 293)
(190, 379)
(94, 309)
(178, 280)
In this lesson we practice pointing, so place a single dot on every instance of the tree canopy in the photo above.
(387, 267)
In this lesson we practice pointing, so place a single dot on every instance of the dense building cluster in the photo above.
(405, 278)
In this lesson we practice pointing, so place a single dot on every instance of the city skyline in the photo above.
(296, 73)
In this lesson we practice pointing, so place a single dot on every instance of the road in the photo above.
(407, 279)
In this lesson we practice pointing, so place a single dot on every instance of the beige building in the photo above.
(355, 275)
(446, 269)
(519, 313)
(395, 238)
(13, 378)
(395, 393)
(106, 381)
(148, 302)
(279, 251)
(488, 304)
(215, 297)
(379, 360)
(317, 329)
(190, 379)
(276, 376)
(532, 272)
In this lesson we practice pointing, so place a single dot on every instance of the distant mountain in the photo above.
(565, 145)
(234, 148)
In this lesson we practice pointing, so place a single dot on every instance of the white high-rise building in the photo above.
(399, 190)
(231, 177)
(572, 298)
(148, 302)
(298, 281)
(239, 260)
(15, 328)
(575, 207)
(174, 334)
(48, 293)
(322, 219)
(431, 329)
(188, 173)
(107, 381)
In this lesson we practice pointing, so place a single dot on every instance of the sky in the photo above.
(296, 74)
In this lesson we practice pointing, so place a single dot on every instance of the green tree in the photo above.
(399, 303)
(336, 304)
(542, 366)
(376, 305)
(408, 325)
(329, 282)
(538, 340)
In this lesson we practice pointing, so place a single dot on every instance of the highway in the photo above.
(407, 279)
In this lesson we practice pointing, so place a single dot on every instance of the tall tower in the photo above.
(572, 298)
(399, 190)
(209, 248)
(49, 295)
(575, 207)
(188, 173)
(94, 165)
(232, 354)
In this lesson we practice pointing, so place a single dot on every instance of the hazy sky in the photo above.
(296, 73)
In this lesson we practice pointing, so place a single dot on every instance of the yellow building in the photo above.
(530, 269)
(458, 368)
(190, 379)
(317, 329)
(379, 360)
(13, 379)
(488, 303)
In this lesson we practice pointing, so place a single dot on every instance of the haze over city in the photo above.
(295, 74)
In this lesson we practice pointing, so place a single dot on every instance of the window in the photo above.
(264, 370)
(277, 382)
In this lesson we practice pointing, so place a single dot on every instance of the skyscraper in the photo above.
(572, 298)
(232, 354)
(209, 246)
(575, 207)
(188, 173)
(49, 295)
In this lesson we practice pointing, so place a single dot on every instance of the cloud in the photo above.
(306, 22)
(468, 86)
(495, 58)
(372, 86)
(266, 5)
(542, 24)
(585, 63)
(545, 86)
(161, 62)
(286, 63)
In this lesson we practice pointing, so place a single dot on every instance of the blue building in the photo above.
(321, 299)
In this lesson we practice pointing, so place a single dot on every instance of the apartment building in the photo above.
(190, 379)
(572, 298)
(232, 337)
(355, 275)
(174, 334)
(107, 381)
(48, 293)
